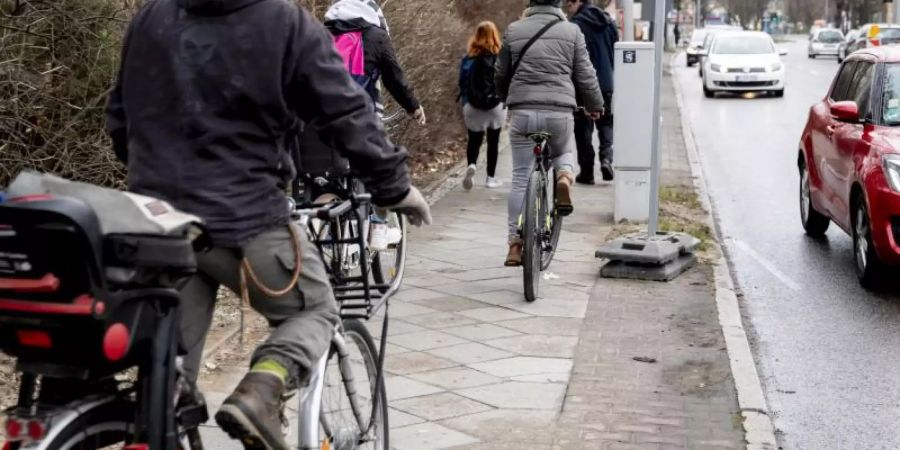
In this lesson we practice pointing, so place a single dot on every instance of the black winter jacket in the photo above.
(380, 59)
(601, 35)
(206, 93)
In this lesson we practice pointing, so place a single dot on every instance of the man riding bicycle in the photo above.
(207, 91)
(543, 66)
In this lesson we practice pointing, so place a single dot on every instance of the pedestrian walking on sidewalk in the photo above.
(483, 111)
(542, 68)
(601, 35)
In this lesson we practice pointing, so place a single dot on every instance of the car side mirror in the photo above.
(846, 111)
(782, 52)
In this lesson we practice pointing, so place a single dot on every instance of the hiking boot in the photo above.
(468, 181)
(563, 193)
(607, 170)
(514, 257)
(254, 414)
(585, 177)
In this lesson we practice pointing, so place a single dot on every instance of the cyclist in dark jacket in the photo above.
(601, 35)
(207, 91)
(380, 58)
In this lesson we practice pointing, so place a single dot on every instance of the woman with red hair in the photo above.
(483, 111)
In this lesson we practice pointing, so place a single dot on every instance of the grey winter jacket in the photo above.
(552, 70)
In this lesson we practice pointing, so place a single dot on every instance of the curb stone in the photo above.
(759, 430)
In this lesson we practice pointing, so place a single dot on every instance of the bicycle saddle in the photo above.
(539, 137)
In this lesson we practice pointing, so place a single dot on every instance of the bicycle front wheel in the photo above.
(388, 265)
(351, 418)
(531, 234)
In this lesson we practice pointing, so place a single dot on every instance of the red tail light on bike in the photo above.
(15, 429)
(115, 342)
(537, 150)
(32, 338)
(37, 430)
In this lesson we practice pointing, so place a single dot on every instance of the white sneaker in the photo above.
(470, 176)
(383, 236)
(493, 183)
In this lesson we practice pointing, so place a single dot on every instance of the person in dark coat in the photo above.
(601, 35)
(207, 93)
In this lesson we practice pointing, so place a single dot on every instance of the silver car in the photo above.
(824, 41)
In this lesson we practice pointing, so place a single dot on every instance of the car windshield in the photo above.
(890, 33)
(830, 36)
(891, 94)
(743, 45)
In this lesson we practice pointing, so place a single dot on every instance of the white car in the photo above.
(825, 41)
(743, 62)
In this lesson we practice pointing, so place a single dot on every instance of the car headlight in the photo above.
(775, 67)
(718, 68)
(891, 165)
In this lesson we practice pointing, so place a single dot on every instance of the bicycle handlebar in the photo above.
(335, 210)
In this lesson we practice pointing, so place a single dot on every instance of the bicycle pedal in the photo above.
(565, 210)
(193, 414)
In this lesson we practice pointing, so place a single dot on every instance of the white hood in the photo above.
(367, 10)
(761, 60)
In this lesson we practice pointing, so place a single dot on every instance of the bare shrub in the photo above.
(57, 59)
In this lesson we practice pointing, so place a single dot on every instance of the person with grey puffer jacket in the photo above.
(541, 92)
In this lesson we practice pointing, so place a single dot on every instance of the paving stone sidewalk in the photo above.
(471, 365)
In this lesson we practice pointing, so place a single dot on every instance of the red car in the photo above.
(849, 160)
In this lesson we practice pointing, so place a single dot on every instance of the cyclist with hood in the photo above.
(540, 87)
(601, 35)
(207, 92)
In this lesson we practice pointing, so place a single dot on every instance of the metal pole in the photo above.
(698, 15)
(896, 6)
(628, 20)
(826, 13)
(659, 24)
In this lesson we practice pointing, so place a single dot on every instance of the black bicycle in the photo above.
(541, 220)
(92, 318)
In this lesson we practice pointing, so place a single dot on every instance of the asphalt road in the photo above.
(828, 350)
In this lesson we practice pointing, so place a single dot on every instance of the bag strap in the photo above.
(515, 66)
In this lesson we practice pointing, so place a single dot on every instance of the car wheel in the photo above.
(708, 92)
(868, 267)
(814, 222)
(778, 94)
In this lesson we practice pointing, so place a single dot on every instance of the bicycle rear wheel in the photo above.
(340, 418)
(535, 205)
(108, 425)
(388, 265)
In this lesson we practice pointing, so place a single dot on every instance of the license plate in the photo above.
(746, 78)
(831, 46)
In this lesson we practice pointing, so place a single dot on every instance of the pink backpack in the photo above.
(350, 47)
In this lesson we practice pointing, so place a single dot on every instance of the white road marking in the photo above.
(767, 264)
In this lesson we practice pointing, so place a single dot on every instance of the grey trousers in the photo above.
(561, 127)
(303, 320)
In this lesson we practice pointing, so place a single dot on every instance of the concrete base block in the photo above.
(655, 258)
(649, 272)
(640, 248)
